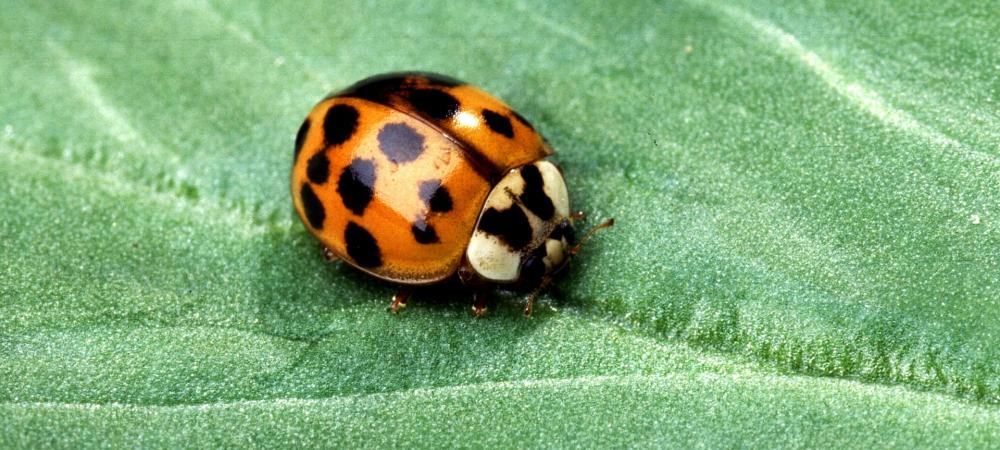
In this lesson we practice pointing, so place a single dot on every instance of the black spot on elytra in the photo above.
(438, 79)
(424, 232)
(400, 142)
(361, 246)
(377, 89)
(434, 103)
(315, 213)
(339, 124)
(356, 184)
(300, 137)
(521, 119)
(498, 123)
(510, 225)
(534, 196)
(318, 168)
(381, 88)
(435, 196)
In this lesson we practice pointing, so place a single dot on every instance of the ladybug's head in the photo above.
(550, 256)
(557, 250)
(525, 232)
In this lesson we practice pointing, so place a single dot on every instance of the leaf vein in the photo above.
(81, 78)
(855, 92)
(202, 208)
(532, 14)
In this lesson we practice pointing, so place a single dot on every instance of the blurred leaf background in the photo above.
(806, 252)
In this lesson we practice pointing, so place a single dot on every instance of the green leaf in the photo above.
(806, 252)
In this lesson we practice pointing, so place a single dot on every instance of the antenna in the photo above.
(586, 237)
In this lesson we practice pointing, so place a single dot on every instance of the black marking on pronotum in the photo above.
(510, 225)
(315, 213)
(318, 168)
(498, 123)
(300, 137)
(400, 142)
(361, 246)
(435, 196)
(356, 185)
(534, 196)
(339, 124)
(434, 103)
(424, 232)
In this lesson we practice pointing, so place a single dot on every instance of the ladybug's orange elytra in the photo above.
(412, 177)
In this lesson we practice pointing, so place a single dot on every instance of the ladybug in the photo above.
(415, 178)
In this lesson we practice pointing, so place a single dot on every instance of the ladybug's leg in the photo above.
(328, 254)
(529, 307)
(479, 302)
(399, 300)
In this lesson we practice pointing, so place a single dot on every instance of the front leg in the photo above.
(479, 302)
(529, 307)
(399, 300)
